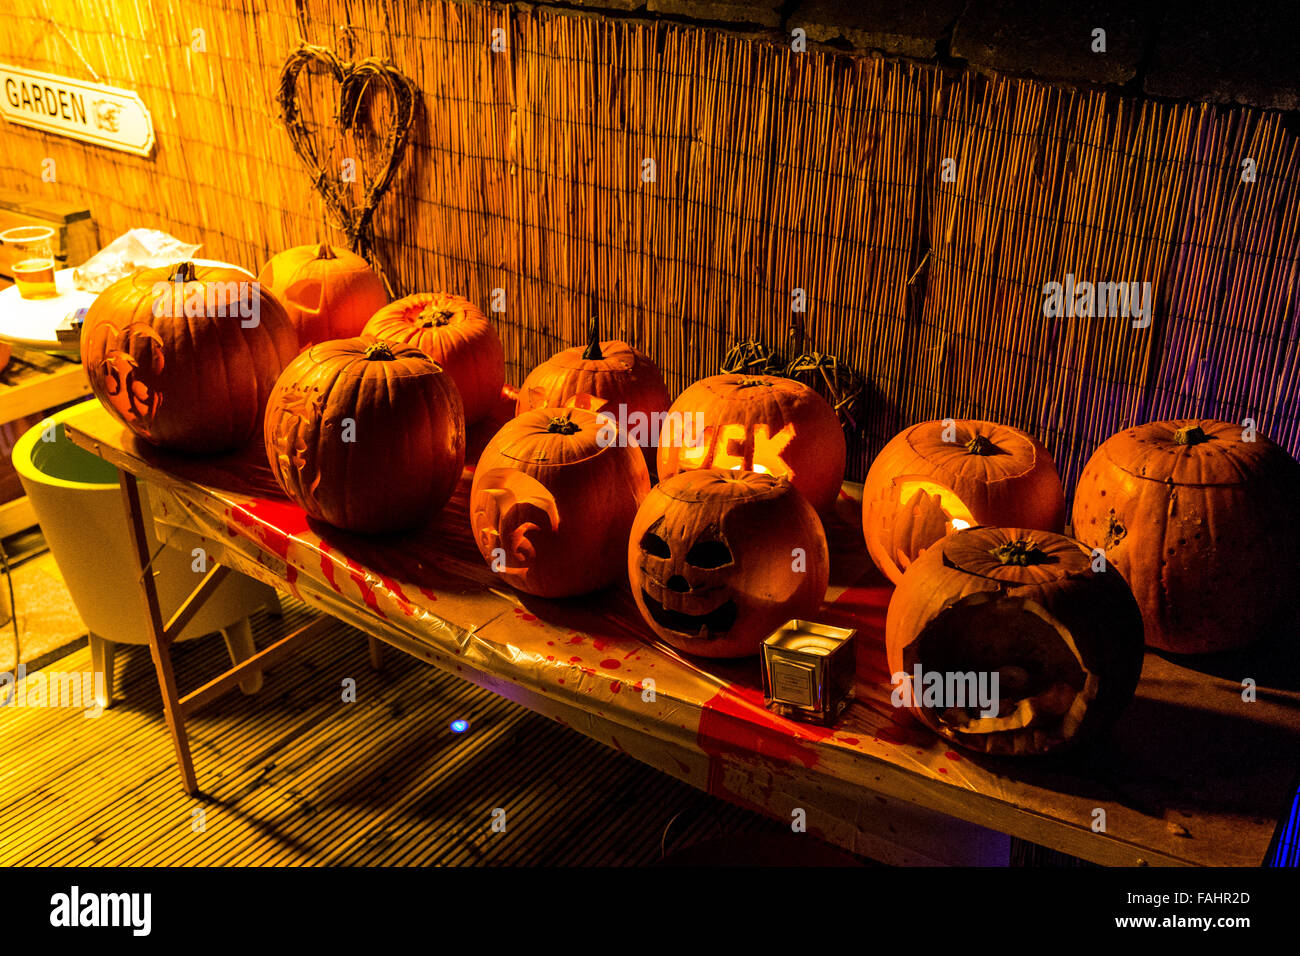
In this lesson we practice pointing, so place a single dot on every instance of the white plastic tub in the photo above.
(78, 503)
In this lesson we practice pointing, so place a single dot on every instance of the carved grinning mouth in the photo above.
(705, 626)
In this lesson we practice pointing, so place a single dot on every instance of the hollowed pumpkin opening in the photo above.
(306, 293)
(916, 514)
(1042, 689)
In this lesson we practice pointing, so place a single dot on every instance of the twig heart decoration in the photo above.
(355, 83)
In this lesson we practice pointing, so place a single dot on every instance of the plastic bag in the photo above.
(128, 254)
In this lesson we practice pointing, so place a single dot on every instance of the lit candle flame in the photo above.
(959, 525)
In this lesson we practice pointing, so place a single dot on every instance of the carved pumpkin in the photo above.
(1024, 606)
(937, 477)
(366, 436)
(609, 377)
(186, 356)
(329, 292)
(1204, 525)
(551, 503)
(455, 334)
(720, 559)
(759, 423)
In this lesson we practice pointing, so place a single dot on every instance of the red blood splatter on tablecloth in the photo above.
(851, 741)
(616, 686)
(270, 523)
(576, 640)
(395, 589)
(327, 566)
(528, 617)
(575, 660)
(610, 663)
(734, 721)
(953, 755)
(600, 643)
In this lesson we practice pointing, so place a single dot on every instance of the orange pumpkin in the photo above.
(552, 503)
(1202, 519)
(366, 436)
(185, 356)
(329, 292)
(936, 477)
(720, 559)
(759, 423)
(455, 334)
(1024, 607)
(609, 377)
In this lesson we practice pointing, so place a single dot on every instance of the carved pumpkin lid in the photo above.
(715, 484)
(1016, 556)
(366, 355)
(994, 451)
(1189, 451)
(552, 436)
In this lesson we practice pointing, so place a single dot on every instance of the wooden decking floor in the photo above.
(293, 776)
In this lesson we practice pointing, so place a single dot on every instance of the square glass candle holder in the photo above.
(808, 671)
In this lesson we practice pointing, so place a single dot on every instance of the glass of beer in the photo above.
(30, 253)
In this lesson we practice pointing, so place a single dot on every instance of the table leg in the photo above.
(159, 645)
(376, 654)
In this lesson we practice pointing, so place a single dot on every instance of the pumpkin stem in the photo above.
(326, 251)
(185, 272)
(1190, 435)
(438, 317)
(379, 352)
(1019, 552)
(563, 426)
(593, 352)
(982, 445)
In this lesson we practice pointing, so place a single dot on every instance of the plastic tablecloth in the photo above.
(1192, 774)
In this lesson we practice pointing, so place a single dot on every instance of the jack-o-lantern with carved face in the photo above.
(720, 559)
(552, 502)
(759, 423)
(938, 477)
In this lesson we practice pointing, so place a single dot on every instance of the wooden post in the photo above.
(159, 643)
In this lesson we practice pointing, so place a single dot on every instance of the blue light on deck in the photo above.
(459, 726)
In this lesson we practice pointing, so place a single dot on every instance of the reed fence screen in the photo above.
(920, 212)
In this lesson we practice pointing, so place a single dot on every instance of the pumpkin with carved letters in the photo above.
(1201, 517)
(760, 423)
(1012, 641)
(366, 436)
(454, 333)
(609, 377)
(936, 477)
(186, 355)
(329, 292)
(552, 502)
(718, 560)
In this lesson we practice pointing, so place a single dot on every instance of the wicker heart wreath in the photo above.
(354, 81)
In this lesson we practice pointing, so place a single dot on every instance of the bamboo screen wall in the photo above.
(774, 170)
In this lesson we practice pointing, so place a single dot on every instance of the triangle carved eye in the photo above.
(655, 546)
(709, 554)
